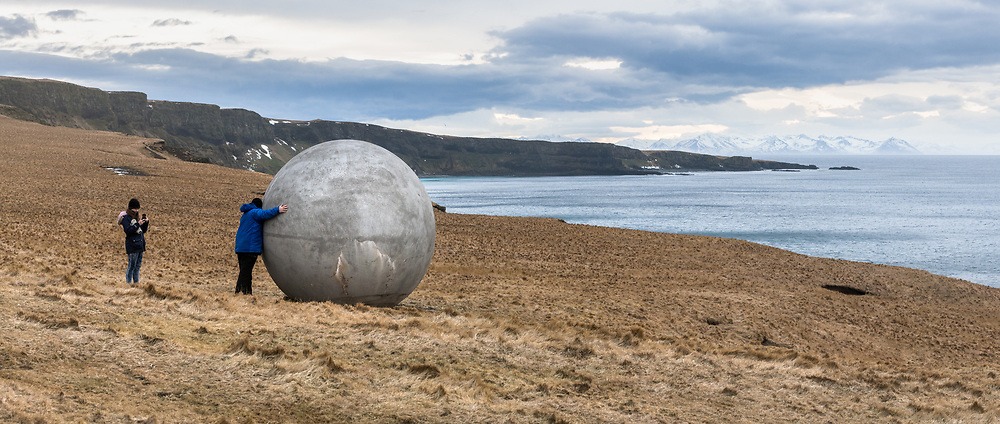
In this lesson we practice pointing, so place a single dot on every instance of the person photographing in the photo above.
(135, 227)
(250, 240)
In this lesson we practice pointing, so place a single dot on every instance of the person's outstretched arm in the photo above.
(262, 215)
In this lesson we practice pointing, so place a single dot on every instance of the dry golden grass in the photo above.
(518, 320)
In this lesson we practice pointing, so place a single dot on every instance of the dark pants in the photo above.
(243, 282)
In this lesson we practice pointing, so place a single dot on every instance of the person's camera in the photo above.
(143, 216)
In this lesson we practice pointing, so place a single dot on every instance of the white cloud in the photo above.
(594, 64)
(660, 132)
(817, 101)
(916, 95)
(972, 106)
(155, 68)
(513, 118)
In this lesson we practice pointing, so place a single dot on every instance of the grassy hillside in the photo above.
(517, 320)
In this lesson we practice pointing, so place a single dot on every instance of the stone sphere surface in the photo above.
(359, 226)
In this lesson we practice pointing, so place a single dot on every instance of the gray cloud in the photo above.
(945, 102)
(353, 89)
(170, 22)
(768, 47)
(893, 104)
(701, 58)
(64, 14)
(254, 53)
(16, 26)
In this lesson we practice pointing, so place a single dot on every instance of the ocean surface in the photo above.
(936, 213)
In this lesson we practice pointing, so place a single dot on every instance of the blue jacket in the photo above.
(250, 235)
(135, 239)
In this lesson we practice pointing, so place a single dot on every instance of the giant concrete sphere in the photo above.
(359, 226)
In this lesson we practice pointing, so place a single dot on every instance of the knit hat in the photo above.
(257, 202)
(133, 203)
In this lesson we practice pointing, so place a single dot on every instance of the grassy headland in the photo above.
(517, 320)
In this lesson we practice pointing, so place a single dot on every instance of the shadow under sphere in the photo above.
(359, 226)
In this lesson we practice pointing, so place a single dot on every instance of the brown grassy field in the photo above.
(517, 320)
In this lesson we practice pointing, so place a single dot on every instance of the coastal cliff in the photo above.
(240, 138)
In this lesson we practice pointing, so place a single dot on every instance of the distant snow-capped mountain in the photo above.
(554, 138)
(792, 144)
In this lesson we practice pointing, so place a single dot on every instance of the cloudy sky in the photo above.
(927, 71)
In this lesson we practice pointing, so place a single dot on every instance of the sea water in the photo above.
(936, 213)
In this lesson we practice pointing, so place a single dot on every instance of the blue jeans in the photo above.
(132, 272)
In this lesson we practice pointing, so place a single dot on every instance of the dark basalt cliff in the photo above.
(242, 138)
(430, 154)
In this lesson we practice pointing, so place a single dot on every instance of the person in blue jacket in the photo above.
(250, 240)
(135, 227)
